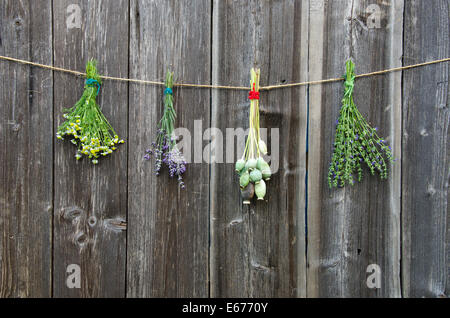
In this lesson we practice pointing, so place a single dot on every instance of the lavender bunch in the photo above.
(165, 149)
(355, 142)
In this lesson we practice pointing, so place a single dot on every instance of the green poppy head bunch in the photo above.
(253, 175)
(252, 169)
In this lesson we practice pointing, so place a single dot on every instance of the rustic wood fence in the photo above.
(136, 235)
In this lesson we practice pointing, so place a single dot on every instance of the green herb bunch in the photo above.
(165, 147)
(355, 142)
(253, 170)
(85, 125)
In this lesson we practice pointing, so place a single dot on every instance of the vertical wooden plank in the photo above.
(258, 251)
(314, 179)
(426, 154)
(168, 226)
(91, 201)
(26, 140)
(353, 227)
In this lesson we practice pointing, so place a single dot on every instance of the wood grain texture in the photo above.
(26, 139)
(91, 201)
(258, 250)
(137, 235)
(353, 227)
(168, 226)
(425, 177)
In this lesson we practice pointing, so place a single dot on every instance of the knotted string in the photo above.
(91, 81)
(253, 93)
(168, 90)
(349, 83)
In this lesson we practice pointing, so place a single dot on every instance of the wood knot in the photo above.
(72, 213)
(261, 268)
(329, 264)
(15, 127)
(424, 132)
(18, 23)
(116, 225)
(430, 190)
(92, 221)
(81, 239)
(235, 222)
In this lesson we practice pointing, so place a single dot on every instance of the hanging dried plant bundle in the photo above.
(252, 168)
(355, 142)
(85, 125)
(165, 147)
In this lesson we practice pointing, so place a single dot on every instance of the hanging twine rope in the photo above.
(262, 88)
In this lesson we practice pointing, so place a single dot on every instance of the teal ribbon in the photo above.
(168, 90)
(91, 81)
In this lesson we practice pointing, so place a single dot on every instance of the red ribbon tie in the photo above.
(253, 93)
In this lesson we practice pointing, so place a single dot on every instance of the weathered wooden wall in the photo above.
(89, 201)
(258, 250)
(353, 227)
(168, 229)
(137, 235)
(26, 137)
(426, 153)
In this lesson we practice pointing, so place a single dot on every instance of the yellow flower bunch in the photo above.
(85, 124)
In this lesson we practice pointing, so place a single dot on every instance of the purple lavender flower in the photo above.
(166, 153)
